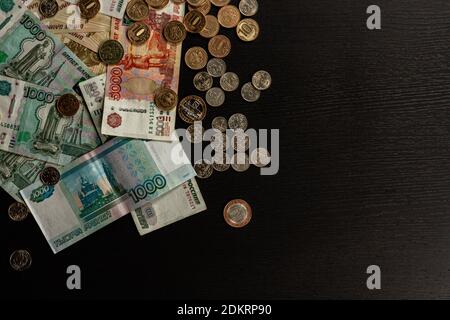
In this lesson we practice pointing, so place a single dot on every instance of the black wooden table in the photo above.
(364, 177)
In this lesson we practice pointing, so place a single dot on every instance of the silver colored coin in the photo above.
(240, 141)
(240, 162)
(238, 121)
(248, 7)
(203, 81)
(204, 170)
(220, 123)
(216, 67)
(250, 93)
(262, 80)
(260, 157)
(219, 141)
(229, 81)
(20, 260)
(194, 133)
(215, 97)
(220, 162)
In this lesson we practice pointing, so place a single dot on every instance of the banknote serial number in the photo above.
(226, 310)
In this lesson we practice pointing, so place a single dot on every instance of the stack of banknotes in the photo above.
(105, 171)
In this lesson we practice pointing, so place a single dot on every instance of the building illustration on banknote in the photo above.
(19, 170)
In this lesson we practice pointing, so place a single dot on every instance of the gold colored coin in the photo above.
(194, 21)
(219, 46)
(196, 58)
(89, 8)
(205, 8)
(157, 4)
(229, 16)
(138, 33)
(179, 1)
(166, 99)
(175, 32)
(196, 3)
(212, 27)
(247, 30)
(137, 10)
(220, 3)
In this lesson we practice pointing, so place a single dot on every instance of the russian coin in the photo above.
(215, 97)
(166, 99)
(260, 157)
(20, 260)
(196, 58)
(137, 10)
(18, 211)
(194, 21)
(238, 121)
(229, 81)
(138, 33)
(240, 141)
(247, 30)
(110, 52)
(191, 109)
(175, 32)
(158, 4)
(89, 8)
(248, 7)
(237, 213)
(194, 133)
(219, 46)
(216, 67)
(220, 123)
(50, 176)
(67, 105)
(262, 80)
(204, 170)
(220, 162)
(220, 3)
(250, 93)
(196, 3)
(240, 162)
(229, 16)
(48, 8)
(203, 81)
(179, 1)
(211, 28)
(204, 7)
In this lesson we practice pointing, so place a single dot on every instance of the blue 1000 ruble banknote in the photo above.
(104, 185)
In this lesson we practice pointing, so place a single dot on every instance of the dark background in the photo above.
(364, 177)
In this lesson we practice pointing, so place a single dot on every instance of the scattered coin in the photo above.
(204, 7)
(196, 3)
(220, 123)
(20, 260)
(229, 81)
(191, 109)
(203, 81)
(159, 4)
(137, 10)
(240, 162)
(50, 176)
(247, 30)
(260, 157)
(237, 213)
(175, 32)
(138, 33)
(166, 99)
(196, 58)
(179, 1)
(48, 8)
(67, 105)
(216, 67)
(194, 21)
(110, 52)
(195, 133)
(262, 80)
(248, 7)
(204, 170)
(211, 28)
(215, 97)
(229, 16)
(219, 46)
(18, 211)
(250, 93)
(89, 8)
(240, 141)
(238, 121)
(220, 162)
(220, 3)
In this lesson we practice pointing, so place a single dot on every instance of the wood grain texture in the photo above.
(364, 177)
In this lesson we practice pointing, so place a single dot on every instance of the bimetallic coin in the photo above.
(175, 32)
(262, 80)
(110, 52)
(240, 162)
(238, 121)
(50, 176)
(260, 157)
(48, 8)
(220, 123)
(191, 109)
(204, 7)
(229, 16)
(211, 28)
(138, 33)
(247, 30)
(194, 21)
(67, 105)
(158, 4)
(203, 81)
(219, 46)
(196, 58)
(89, 8)
(20, 260)
(220, 3)
(229, 81)
(137, 10)
(216, 67)
(18, 211)
(204, 170)
(248, 7)
(237, 213)
(166, 99)
(220, 162)
(250, 93)
(215, 97)
(240, 141)
(194, 133)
